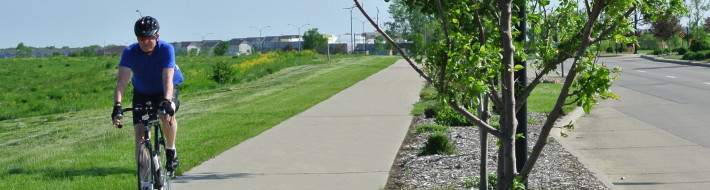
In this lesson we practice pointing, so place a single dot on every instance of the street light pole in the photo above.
(262, 40)
(299, 34)
(364, 39)
(202, 43)
(352, 37)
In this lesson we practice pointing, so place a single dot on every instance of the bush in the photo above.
(449, 116)
(657, 52)
(699, 45)
(610, 50)
(689, 56)
(287, 48)
(681, 50)
(223, 73)
(703, 55)
(432, 111)
(438, 143)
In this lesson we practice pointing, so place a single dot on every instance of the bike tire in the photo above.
(165, 176)
(145, 166)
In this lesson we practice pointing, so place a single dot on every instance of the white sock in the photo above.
(170, 147)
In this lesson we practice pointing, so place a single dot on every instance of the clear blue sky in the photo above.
(78, 23)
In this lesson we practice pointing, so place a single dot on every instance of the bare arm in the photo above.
(168, 82)
(124, 73)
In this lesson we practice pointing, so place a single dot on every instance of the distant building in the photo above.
(237, 46)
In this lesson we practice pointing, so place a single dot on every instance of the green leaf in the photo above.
(456, 21)
(518, 67)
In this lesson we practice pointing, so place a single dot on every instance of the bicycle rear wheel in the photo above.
(145, 176)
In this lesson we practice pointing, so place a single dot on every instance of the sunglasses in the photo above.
(144, 38)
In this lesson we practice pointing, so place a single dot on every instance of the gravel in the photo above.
(555, 169)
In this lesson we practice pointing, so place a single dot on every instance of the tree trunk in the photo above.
(508, 121)
(483, 112)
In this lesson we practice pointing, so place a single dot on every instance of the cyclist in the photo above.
(155, 78)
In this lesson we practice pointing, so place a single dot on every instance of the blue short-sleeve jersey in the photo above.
(148, 70)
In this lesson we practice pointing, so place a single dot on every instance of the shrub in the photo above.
(681, 50)
(699, 45)
(288, 47)
(223, 73)
(657, 52)
(449, 116)
(702, 55)
(438, 143)
(431, 128)
(610, 50)
(689, 56)
(431, 112)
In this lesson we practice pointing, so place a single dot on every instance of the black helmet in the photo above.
(146, 26)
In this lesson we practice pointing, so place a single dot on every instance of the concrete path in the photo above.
(346, 142)
(652, 138)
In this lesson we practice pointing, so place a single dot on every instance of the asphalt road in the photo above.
(656, 136)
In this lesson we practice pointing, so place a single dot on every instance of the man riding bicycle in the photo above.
(155, 78)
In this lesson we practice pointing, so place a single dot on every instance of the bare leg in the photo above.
(170, 131)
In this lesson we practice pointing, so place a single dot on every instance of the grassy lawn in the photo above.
(542, 99)
(81, 150)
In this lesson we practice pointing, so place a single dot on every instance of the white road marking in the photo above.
(708, 83)
(641, 71)
(671, 77)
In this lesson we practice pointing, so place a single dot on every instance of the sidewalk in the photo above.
(348, 141)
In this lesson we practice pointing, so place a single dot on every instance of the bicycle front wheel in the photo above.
(145, 176)
(164, 175)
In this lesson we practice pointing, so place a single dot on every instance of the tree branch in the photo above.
(444, 25)
(562, 97)
(389, 39)
(483, 125)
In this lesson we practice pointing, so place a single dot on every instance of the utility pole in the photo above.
(261, 49)
(299, 34)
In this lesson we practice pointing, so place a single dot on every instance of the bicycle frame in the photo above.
(149, 119)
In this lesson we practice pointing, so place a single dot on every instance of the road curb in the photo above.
(675, 61)
(556, 131)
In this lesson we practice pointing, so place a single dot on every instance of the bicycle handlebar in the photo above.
(147, 109)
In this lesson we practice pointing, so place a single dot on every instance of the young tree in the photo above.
(479, 49)
(221, 49)
(23, 51)
(379, 45)
(697, 8)
(313, 40)
(666, 28)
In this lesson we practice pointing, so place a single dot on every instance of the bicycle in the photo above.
(150, 173)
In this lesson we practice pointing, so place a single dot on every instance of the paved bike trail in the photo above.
(348, 141)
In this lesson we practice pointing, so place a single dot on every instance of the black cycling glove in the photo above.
(116, 110)
(167, 106)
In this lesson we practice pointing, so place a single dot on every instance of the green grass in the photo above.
(541, 100)
(431, 128)
(81, 150)
(42, 86)
(544, 97)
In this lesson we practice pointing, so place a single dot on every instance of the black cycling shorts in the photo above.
(155, 99)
